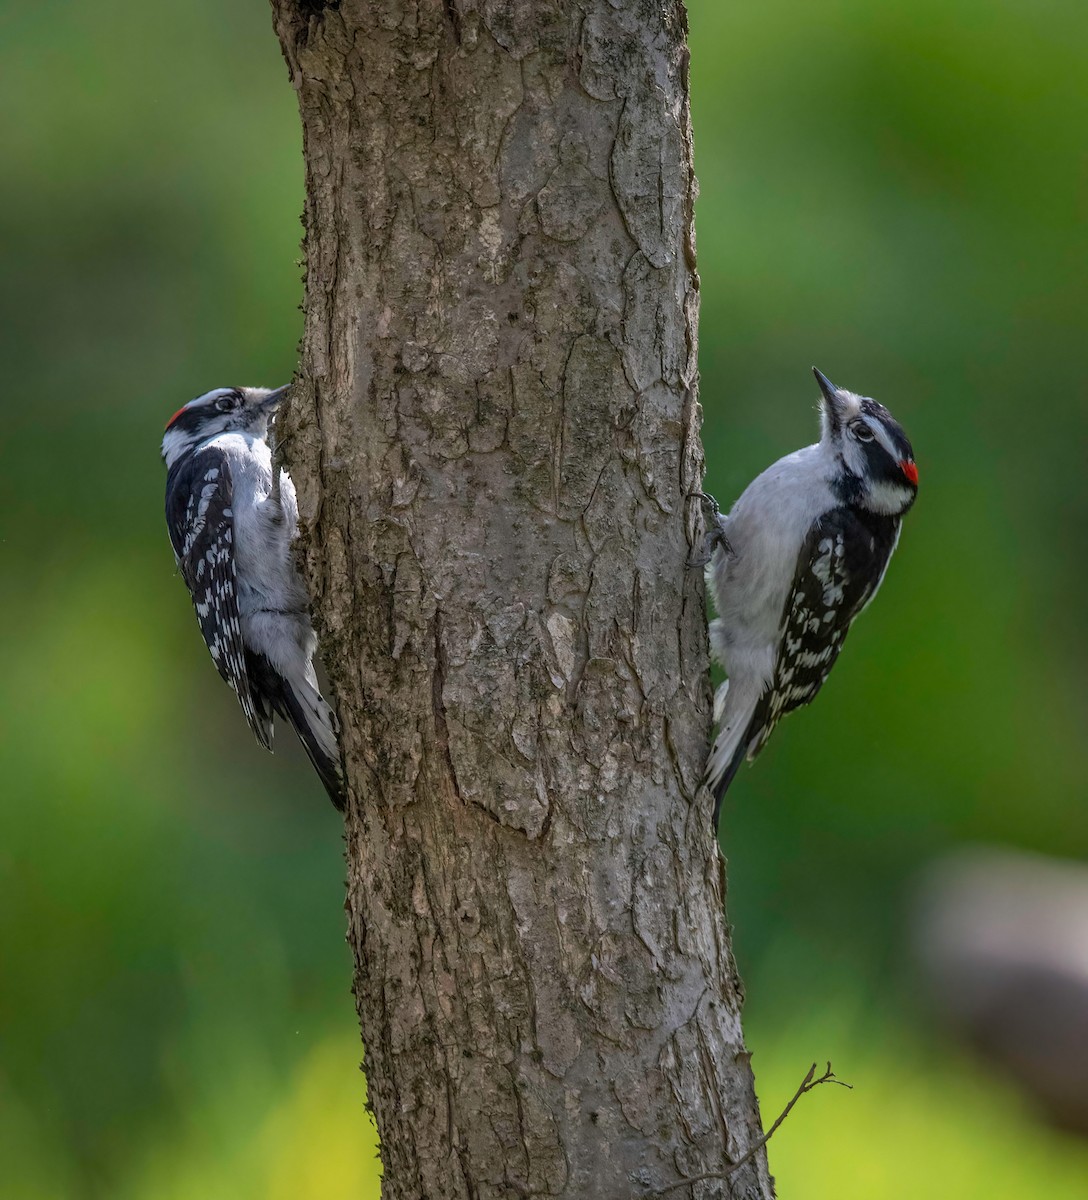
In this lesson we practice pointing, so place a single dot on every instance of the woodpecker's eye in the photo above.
(226, 403)
(861, 431)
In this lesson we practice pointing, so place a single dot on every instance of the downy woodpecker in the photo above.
(799, 556)
(232, 516)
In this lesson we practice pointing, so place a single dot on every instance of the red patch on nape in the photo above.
(910, 470)
(175, 416)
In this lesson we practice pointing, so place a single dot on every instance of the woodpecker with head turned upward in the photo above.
(799, 556)
(232, 517)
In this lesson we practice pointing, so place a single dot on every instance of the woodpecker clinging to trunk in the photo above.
(232, 516)
(799, 556)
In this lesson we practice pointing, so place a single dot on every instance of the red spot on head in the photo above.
(175, 416)
(910, 470)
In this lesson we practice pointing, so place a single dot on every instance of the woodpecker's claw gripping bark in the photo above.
(715, 533)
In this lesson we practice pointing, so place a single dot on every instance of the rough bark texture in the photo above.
(494, 441)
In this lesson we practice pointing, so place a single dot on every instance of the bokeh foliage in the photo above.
(894, 192)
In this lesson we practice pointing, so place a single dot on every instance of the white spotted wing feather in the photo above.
(202, 534)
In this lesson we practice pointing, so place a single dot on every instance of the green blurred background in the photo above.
(894, 192)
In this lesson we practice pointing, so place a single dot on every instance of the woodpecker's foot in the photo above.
(277, 440)
(274, 451)
(715, 534)
(709, 502)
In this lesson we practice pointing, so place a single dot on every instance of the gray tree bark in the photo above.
(494, 440)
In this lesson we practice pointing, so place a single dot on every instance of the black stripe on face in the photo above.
(191, 420)
(879, 414)
(193, 417)
(881, 468)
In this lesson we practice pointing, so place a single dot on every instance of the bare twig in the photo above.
(809, 1082)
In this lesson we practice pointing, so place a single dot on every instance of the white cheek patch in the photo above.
(889, 498)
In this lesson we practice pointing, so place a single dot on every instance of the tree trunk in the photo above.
(494, 440)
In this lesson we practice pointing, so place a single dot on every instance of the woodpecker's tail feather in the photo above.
(314, 723)
(726, 756)
(733, 716)
(259, 715)
(720, 785)
(299, 701)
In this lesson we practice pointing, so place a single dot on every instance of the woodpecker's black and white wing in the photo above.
(199, 516)
(839, 570)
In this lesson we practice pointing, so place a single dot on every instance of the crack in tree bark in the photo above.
(438, 682)
(454, 17)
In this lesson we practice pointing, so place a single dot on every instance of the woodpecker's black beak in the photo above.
(831, 403)
(826, 386)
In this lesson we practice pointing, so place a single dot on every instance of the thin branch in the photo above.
(809, 1082)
